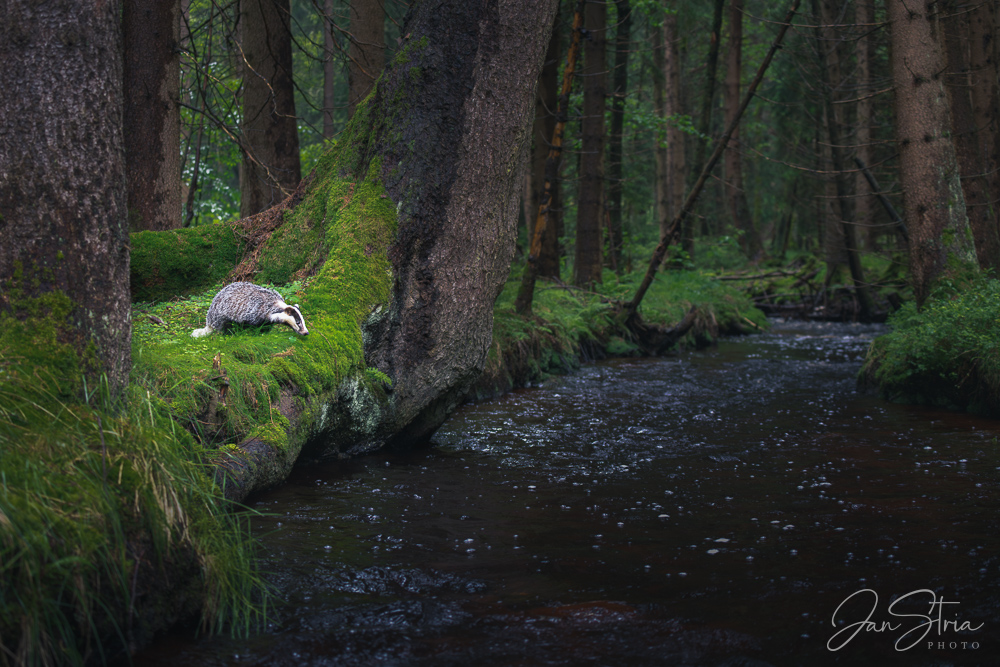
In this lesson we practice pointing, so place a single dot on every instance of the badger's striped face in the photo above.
(295, 320)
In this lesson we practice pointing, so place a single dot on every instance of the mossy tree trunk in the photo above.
(450, 155)
(271, 168)
(64, 263)
(151, 32)
(934, 205)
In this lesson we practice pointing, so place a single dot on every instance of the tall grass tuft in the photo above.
(97, 499)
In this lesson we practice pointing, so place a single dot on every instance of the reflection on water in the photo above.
(712, 509)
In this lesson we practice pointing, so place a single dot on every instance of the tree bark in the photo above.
(623, 34)
(450, 158)
(271, 167)
(933, 202)
(588, 263)
(863, 210)
(831, 48)
(63, 225)
(676, 166)
(329, 70)
(367, 51)
(975, 187)
(736, 197)
(985, 85)
(151, 32)
(546, 105)
(661, 202)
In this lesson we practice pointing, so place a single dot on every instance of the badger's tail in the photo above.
(198, 333)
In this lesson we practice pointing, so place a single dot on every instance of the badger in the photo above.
(246, 303)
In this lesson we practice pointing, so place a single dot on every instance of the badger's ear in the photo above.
(298, 306)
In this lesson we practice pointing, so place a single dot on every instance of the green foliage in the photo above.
(945, 354)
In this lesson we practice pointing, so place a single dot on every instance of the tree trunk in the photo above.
(708, 94)
(661, 202)
(588, 264)
(676, 167)
(863, 210)
(367, 51)
(271, 167)
(831, 48)
(64, 263)
(329, 69)
(546, 104)
(151, 31)
(735, 195)
(623, 36)
(450, 157)
(975, 187)
(933, 203)
(985, 85)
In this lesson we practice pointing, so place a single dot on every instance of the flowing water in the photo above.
(710, 509)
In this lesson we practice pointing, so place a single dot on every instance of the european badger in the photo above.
(246, 303)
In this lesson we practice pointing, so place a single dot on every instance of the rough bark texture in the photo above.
(982, 220)
(367, 49)
(934, 206)
(451, 161)
(546, 103)
(736, 197)
(271, 167)
(616, 135)
(152, 117)
(676, 166)
(63, 221)
(329, 69)
(588, 263)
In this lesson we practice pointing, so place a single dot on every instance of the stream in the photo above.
(738, 506)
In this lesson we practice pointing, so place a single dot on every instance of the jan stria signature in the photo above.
(915, 627)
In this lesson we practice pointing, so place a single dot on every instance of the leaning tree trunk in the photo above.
(64, 262)
(933, 202)
(151, 35)
(271, 167)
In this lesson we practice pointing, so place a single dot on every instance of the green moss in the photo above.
(179, 262)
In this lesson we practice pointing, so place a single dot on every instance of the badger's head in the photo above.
(292, 316)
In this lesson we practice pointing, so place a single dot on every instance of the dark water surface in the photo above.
(712, 509)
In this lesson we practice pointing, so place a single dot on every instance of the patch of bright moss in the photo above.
(179, 262)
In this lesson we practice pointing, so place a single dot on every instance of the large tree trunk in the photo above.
(588, 263)
(271, 167)
(934, 205)
(546, 104)
(675, 167)
(616, 135)
(367, 50)
(982, 218)
(736, 197)
(64, 262)
(985, 84)
(151, 31)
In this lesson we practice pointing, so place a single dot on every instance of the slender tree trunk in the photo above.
(933, 202)
(623, 35)
(863, 210)
(661, 200)
(271, 167)
(831, 45)
(708, 95)
(735, 194)
(64, 262)
(546, 105)
(367, 50)
(329, 70)
(676, 166)
(151, 33)
(588, 264)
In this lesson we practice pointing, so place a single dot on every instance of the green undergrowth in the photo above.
(946, 354)
(99, 500)
(174, 263)
(569, 323)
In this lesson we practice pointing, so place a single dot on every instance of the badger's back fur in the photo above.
(253, 305)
